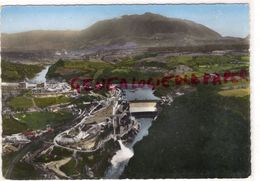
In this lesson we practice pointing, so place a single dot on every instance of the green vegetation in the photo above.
(201, 135)
(210, 64)
(128, 68)
(16, 72)
(54, 67)
(180, 60)
(145, 55)
(56, 154)
(73, 68)
(98, 161)
(244, 59)
(20, 103)
(70, 168)
(126, 63)
(34, 120)
(11, 126)
(99, 70)
(130, 74)
(84, 98)
(235, 92)
(48, 101)
(21, 169)
(39, 120)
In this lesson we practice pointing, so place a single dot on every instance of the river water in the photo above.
(40, 77)
(120, 160)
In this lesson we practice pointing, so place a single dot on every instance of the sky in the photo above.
(226, 19)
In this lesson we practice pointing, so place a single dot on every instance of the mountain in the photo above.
(146, 30)
(146, 25)
(38, 40)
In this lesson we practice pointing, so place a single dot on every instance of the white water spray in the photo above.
(119, 160)
(122, 156)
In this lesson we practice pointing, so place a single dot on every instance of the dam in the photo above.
(142, 102)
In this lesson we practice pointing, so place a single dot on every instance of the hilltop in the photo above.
(128, 31)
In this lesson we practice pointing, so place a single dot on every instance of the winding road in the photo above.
(35, 143)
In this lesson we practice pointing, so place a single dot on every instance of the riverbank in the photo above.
(201, 135)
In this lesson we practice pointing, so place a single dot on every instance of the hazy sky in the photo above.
(226, 19)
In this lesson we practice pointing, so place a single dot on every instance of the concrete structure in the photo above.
(136, 107)
(142, 102)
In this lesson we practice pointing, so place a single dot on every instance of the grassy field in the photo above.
(73, 68)
(39, 120)
(235, 92)
(24, 102)
(11, 126)
(20, 103)
(34, 120)
(48, 101)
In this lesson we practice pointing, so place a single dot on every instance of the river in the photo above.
(120, 160)
(40, 77)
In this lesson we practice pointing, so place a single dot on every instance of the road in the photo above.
(38, 141)
(22, 152)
